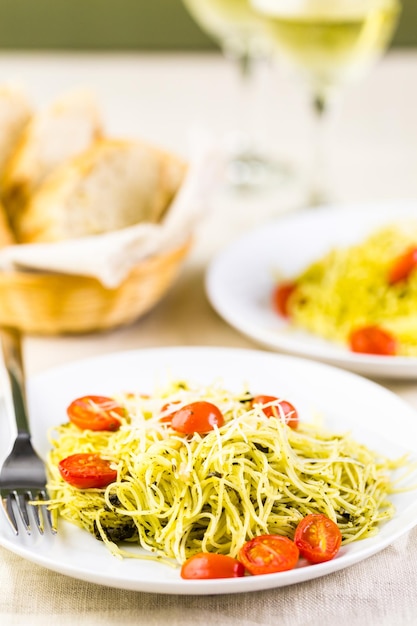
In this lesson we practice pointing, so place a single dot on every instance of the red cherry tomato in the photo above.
(211, 565)
(372, 340)
(95, 413)
(280, 297)
(268, 554)
(197, 417)
(285, 409)
(318, 538)
(403, 266)
(87, 471)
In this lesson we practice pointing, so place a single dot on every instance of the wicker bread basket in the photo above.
(53, 303)
(108, 187)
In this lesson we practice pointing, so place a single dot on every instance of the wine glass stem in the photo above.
(249, 165)
(245, 64)
(319, 182)
(246, 68)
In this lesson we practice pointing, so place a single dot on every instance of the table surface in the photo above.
(374, 156)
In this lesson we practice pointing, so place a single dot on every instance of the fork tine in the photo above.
(46, 513)
(37, 515)
(8, 509)
(22, 502)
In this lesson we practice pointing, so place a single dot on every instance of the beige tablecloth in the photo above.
(379, 591)
(375, 158)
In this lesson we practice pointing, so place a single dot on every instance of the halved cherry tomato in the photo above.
(318, 538)
(403, 266)
(285, 409)
(95, 413)
(87, 471)
(267, 554)
(372, 340)
(212, 565)
(280, 297)
(197, 417)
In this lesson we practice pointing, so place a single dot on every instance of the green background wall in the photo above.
(123, 24)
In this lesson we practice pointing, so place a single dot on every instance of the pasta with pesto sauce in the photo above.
(177, 495)
(348, 289)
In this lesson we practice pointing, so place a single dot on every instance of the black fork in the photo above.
(22, 476)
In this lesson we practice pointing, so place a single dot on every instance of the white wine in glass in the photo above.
(230, 22)
(237, 28)
(331, 43)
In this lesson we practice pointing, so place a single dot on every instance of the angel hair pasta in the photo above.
(371, 284)
(178, 494)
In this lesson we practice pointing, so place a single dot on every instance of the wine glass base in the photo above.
(318, 197)
(254, 171)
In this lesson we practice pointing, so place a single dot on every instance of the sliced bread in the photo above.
(51, 137)
(113, 184)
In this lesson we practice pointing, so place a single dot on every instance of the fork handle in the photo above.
(13, 361)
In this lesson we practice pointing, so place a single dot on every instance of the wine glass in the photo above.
(330, 43)
(236, 27)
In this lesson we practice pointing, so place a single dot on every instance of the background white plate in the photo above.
(240, 280)
(346, 401)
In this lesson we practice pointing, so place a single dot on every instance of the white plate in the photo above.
(240, 280)
(346, 401)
